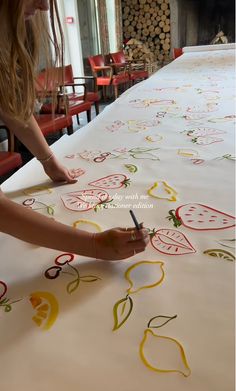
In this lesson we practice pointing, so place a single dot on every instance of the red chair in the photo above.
(105, 75)
(91, 96)
(177, 52)
(51, 81)
(10, 160)
(136, 70)
(53, 123)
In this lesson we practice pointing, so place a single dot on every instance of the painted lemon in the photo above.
(163, 354)
(132, 168)
(46, 307)
(219, 253)
(154, 138)
(87, 225)
(187, 152)
(37, 190)
(151, 272)
(162, 191)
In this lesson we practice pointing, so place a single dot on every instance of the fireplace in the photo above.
(196, 22)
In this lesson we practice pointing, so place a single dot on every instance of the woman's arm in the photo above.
(31, 136)
(32, 227)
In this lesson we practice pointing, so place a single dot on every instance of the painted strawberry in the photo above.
(206, 140)
(203, 131)
(194, 116)
(83, 200)
(171, 242)
(200, 217)
(114, 181)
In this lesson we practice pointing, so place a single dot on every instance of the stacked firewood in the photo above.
(147, 21)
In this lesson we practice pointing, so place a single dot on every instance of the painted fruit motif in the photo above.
(171, 242)
(206, 140)
(84, 200)
(114, 181)
(132, 168)
(155, 276)
(46, 307)
(203, 132)
(3, 289)
(200, 217)
(152, 351)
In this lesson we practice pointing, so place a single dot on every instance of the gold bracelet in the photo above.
(46, 159)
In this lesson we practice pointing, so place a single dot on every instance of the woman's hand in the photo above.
(57, 172)
(120, 243)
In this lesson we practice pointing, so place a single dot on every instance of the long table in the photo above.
(163, 319)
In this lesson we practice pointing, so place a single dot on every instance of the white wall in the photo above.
(73, 49)
(111, 24)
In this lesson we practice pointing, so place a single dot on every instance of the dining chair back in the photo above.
(136, 70)
(106, 75)
(9, 160)
(177, 52)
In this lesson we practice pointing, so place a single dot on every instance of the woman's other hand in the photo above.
(120, 243)
(57, 172)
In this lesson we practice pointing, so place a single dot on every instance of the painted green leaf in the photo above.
(72, 286)
(219, 253)
(159, 321)
(50, 210)
(89, 278)
(121, 311)
(7, 308)
(227, 243)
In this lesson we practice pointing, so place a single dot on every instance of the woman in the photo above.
(19, 49)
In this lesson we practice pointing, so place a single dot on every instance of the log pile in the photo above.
(147, 21)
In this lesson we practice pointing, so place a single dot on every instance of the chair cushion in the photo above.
(91, 96)
(103, 81)
(76, 107)
(49, 123)
(9, 161)
(138, 74)
(120, 79)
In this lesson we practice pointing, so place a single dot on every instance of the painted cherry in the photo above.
(64, 259)
(53, 272)
(3, 289)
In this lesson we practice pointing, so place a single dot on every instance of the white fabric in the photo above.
(207, 48)
(80, 351)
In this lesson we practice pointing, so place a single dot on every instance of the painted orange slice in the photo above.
(46, 307)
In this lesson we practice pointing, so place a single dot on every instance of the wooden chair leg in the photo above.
(70, 130)
(104, 93)
(89, 115)
(116, 91)
(96, 104)
(77, 116)
(12, 141)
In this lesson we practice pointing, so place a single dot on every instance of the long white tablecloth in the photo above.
(98, 325)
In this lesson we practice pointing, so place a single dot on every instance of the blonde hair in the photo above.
(22, 42)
